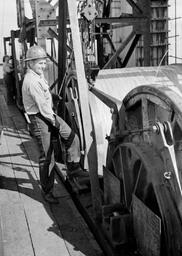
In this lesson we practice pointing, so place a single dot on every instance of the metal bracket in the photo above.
(165, 142)
(75, 99)
(90, 12)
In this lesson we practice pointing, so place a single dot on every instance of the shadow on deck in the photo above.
(28, 225)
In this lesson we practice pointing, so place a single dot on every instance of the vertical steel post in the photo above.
(175, 31)
(100, 49)
(5, 48)
(13, 48)
(62, 41)
(147, 36)
(85, 109)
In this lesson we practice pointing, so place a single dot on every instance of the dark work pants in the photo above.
(41, 131)
(9, 81)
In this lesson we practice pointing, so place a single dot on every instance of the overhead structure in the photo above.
(110, 32)
(114, 34)
(159, 43)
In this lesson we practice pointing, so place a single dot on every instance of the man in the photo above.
(9, 79)
(37, 101)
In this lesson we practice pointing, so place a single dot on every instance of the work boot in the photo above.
(50, 198)
(74, 170)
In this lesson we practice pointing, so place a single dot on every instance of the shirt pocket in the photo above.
(46, 91)
(47, 94)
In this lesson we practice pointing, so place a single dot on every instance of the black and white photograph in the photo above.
(90, 128)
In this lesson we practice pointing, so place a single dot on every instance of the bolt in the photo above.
(107, 137)
(112, 110)
(155, 128)
(167, 175)
(116, 214)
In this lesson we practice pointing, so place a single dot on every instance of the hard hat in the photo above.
(35, 52)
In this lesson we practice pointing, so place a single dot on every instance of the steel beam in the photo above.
(90, 150)
(135, 6)
(130, 20)
(131, 49)
(119, 50)
(43, 10)
(62, 49)
(13, 48)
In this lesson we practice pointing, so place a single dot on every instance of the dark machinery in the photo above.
(142, 172)
(128, 120)
(144, 163)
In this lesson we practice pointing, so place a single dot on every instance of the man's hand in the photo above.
(56, 98)
(54, 127)
(57, 124)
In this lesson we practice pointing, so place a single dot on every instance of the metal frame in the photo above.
(72, 51)
(140, 20)
(5, 41)
(44, 21)
(43, 25)
(18, 82)
(72, 56)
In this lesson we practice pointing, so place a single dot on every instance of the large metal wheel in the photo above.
(134, 157)
(141, 172)
(146, 105)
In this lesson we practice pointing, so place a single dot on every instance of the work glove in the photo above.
(57, 124)
(56, 100)
(54, 128)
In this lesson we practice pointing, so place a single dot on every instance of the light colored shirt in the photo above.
(7, 68)
(36, 96)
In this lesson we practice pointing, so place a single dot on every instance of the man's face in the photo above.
(6, 59)
(38, 66)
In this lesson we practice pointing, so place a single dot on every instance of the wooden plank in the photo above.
(50, 232)
(3, 113)
(14, 230)
(78, 238)
(84, 240)
(1, 239)
(45, 234)
(16, 238)
(38, 222)
(15, 234)
(65, 219)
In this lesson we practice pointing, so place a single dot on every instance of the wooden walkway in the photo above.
(28, 225)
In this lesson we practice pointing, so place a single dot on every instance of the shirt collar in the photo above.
(31, 71)
(39, 76)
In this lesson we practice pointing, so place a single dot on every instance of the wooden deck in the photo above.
(28, 225)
